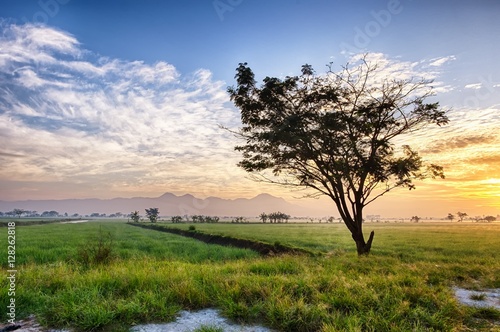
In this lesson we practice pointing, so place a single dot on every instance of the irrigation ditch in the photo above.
(264, 249)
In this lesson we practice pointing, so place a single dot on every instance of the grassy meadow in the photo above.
(148, 276)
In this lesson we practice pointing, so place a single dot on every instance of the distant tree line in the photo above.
(153, 213)
(274, 217)
(239, 220)
(205, 219)
(195, 219)
(55, 214)
(461, 216)
(31, 214)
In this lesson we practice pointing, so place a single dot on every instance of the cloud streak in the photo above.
(438, 62)
(387, 67)
(77, 117)
(77, 124)
(460, 142)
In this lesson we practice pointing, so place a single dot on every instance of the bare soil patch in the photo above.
(489, 298)
(190, 321)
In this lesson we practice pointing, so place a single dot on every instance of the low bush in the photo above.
(97, 250)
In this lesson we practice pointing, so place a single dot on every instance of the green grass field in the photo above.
(404, 285)
(41, 244)
(432, 242)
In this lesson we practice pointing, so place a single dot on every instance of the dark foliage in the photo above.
(335, 134)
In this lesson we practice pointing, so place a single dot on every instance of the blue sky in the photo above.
(124, 98)
(277, 36)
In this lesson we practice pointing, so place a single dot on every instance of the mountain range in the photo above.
(168, 205)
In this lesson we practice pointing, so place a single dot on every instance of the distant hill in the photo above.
(168, 204)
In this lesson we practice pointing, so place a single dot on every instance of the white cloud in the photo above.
(106, 122)
(393, 68)
(438, 62)
(34, 44)
(474, 86)
(68, 115)
(46, 39)
(29, 78)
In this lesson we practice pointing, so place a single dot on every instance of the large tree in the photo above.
(335, 133)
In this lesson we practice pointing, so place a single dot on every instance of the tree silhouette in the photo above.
(490, 218)
(461, 216)
(335, 134)
(19, 212)
(152, 214)
(177, 219)
(135, 216)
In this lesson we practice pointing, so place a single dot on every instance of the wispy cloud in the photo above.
(395, 68)
(460, 142)
(469, 146)
(438, 62)
(77, 117)
(474, 86)
(76, 124)
(30, 44)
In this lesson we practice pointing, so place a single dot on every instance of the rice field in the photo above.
(149, 276)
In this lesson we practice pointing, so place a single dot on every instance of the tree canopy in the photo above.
(135, 216)
(335, 133)
(152, 214)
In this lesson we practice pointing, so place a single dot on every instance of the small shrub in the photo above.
(487, 313)
(97, 250)
(478, 297)
(192, 228)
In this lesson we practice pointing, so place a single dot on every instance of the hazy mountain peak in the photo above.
(266, 196)
(167, 195)
(169, 205)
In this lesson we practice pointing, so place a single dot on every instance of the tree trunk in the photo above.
(363, 247)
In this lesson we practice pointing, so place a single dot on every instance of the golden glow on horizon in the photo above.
(492, 181)
(96, 144)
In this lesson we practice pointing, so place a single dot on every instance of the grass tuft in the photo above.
(207, 328)
(97, 250)
(478, 297)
